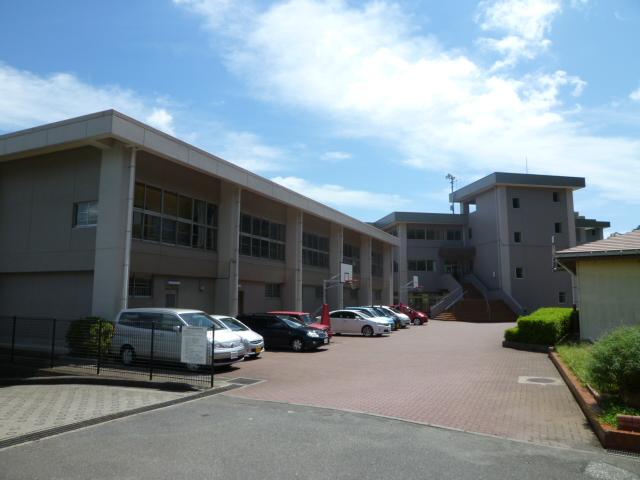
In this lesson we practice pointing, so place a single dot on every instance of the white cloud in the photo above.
(635, 95)
(335, 156)
(524, 24)
(27, 99)
(249, 151)
(371, 73)
(339, 196)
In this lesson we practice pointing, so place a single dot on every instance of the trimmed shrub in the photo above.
(83, 336)
(615, 362)
(545, 326)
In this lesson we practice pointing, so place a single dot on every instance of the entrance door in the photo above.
(452, 267)
(171, 298)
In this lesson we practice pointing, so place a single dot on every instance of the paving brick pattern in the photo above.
(444, 373)
(31, 408)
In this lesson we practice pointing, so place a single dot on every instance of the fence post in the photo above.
(13, 337)
(53, 342)
(213, 341)
(153, 334)
(99, 346)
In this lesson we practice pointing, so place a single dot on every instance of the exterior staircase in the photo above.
(473, 307)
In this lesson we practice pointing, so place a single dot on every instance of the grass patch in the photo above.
(576, 356)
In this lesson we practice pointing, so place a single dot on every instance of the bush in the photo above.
(545, 326)
(83, 336)
(615, 362)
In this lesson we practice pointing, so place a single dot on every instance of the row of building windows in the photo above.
(166, 217)
(262, 238)
(315, 250)
(376, 264)
(351, 256)
(434, 234)
(421, 265)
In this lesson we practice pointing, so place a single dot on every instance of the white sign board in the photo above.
(416, 282)
(194, 345)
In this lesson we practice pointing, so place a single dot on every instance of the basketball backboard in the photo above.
(346, 272)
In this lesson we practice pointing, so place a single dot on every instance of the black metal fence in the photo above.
(94, 346)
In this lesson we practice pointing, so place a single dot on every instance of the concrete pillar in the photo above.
(403, 273)
(226, 286)
(111, 232)
(335, 295)
(571, 219)
(387, 274)
(503, 239)
(365, 294)
(292, 295)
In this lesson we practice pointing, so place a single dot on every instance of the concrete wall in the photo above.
(608, 295)
(37, 195)
(483, 223)
(196, 293)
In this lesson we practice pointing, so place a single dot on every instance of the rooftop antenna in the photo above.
(451, 179)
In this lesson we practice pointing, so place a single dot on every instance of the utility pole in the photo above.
(451, 179)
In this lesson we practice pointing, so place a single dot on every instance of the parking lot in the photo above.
(450, 374)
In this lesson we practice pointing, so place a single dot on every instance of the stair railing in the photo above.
(449, 300)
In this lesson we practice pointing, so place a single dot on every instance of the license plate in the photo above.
(258, 349)
(234, 355)
(326, 340)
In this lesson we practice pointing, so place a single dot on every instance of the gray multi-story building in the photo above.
(501, 244)
(102, 211)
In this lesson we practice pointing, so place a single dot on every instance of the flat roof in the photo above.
(422, 217)
(617, 245)
(96, 128)
(582, 222)
(469, 192)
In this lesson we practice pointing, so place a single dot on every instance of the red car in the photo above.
(417, 317)
(307, 319)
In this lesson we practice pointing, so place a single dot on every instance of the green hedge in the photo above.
(545, 326)
(83, 336)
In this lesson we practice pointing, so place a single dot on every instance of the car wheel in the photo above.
(367, 331)
(297, 345)
(417, 321)
(127, 355)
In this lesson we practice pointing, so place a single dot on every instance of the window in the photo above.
(519, 272)
(434, 234)
(454, 235)
(593, 232)
(315, 250)
(377, 296)
(415, 234)
(470, 232)
(557, 227)
(515, 202)
(85, 214)
(395, 267)
(562, 297)
(261, 238)
(556, 197)
(272, 290)
(376, 264)
(161, 216)
(140, 287)
(431, 265)
(517, 237)
(417, 265)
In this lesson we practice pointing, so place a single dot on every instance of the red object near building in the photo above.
(417, 317)
(307, 319)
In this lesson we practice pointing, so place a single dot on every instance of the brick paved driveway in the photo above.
(445, 373)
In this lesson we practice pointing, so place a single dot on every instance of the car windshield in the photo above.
(291, 321)
(364, 313)
(233, 324)
(201, 319)
(380, 311)
(307, 319)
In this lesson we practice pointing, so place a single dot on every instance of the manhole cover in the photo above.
(540, 380)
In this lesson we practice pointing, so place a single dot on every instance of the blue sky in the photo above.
(365, 106)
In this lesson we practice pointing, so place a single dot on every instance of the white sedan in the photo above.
(351, 321)
(253, 342)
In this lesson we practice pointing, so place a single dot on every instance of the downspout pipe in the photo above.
(128, 229)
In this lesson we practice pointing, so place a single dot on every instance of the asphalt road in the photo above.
(229, 438)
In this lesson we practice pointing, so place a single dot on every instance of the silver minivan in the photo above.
(133, 328)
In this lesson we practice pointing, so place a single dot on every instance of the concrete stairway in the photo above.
(473, 308)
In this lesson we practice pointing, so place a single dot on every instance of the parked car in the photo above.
(253, 342)
(403, 320)
(416, 316)
(133, 328)
(368, 311)
(353, 321)
(307, 319)
(280, 331)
